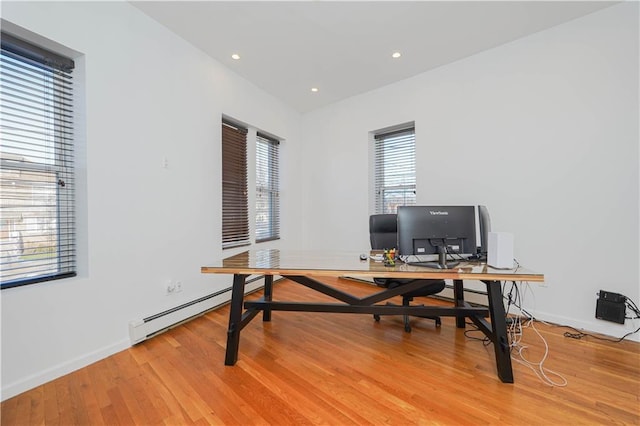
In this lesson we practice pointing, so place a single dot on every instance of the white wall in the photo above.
(148, 96)
(543, 130)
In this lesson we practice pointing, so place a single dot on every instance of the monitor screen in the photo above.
(442, 233)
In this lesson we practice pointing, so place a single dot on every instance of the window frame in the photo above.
(37, 164)
(235, 199)
(390, 172)
(269, 189)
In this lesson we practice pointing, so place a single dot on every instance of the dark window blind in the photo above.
(395, 170)
(267, 188)
(235, 211)
(37, 207)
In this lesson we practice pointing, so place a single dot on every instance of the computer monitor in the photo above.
(441, 233)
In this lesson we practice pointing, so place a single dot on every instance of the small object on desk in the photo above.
(390, 257)
(363, 257)
(500, 250)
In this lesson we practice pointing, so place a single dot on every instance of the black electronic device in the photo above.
(363, 257)
(611, 307)
(439, 232)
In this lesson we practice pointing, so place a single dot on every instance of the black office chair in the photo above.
(383, 231)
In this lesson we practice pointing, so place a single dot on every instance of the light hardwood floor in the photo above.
(337, 369)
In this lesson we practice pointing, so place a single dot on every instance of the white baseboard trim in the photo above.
(12, 389)
(614, 331)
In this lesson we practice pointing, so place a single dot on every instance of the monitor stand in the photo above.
(442, 260)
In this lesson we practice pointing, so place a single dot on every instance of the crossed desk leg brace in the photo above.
(496, 330)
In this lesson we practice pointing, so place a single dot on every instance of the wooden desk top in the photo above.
(340, 263)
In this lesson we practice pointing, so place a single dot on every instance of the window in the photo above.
(267, 189)
(37, 221)
(235, 212)
(394, 170)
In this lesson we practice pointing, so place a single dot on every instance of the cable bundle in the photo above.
(518, 349)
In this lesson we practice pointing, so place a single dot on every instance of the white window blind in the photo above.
(267, 189)
(394, 170)
(235, 210)
(37, 214)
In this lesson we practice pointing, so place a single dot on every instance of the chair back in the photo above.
(383, 231)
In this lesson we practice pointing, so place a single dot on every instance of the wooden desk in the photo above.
(305, 267)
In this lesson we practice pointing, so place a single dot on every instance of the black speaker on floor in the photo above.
(611, 307)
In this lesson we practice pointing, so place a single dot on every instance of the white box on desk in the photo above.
(500, 250)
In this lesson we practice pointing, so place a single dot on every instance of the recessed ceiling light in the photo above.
(314, 89)
(396, 55)
(235, 56)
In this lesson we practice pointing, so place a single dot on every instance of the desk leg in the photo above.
(499, 326)
(458, 295)
(268, 294)
(235, 317)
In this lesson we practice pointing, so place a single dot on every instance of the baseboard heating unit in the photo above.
(145, 328)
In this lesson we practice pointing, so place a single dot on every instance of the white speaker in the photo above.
(500, 250)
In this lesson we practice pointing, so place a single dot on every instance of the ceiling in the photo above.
(344, 48)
